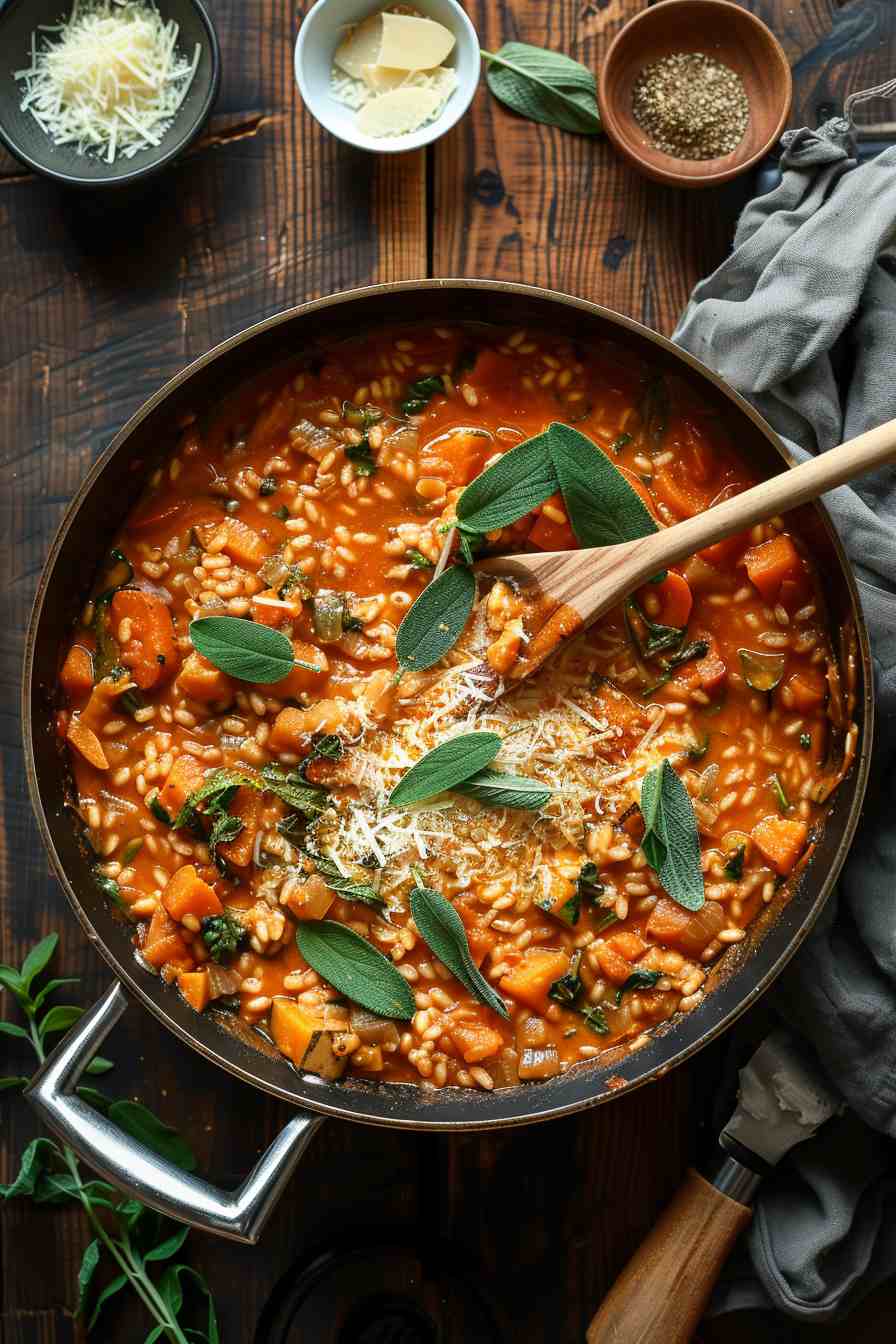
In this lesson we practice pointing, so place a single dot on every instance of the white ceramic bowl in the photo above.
(323, 28)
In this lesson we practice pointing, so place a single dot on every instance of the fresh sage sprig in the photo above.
(544, 86)
(671, 842)
(245, 649)
(500, 790)
(126, 1234)
(292, 789)
(517, 483)
(436, 620)
(354, 967)
(602, 506)
(445, 767)
(441, 928)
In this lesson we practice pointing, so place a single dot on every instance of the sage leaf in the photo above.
(349, 888)
(355, 968)
(441, 928)
(603, 508)
(89, 1262)
(545, 86)
(638, 979)
(436, 620)
(141, 1124)
(33, 1162)
(59, 1019)
(38, 958)
(500, 790)
(292, 789)
(671, 842)
(518, 482)
(112, 1287)
(245, 649)
(446, 766)
(216, 792)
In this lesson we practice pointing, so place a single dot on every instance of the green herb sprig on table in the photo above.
(126, 1236)
(545, 86)
(671, 841)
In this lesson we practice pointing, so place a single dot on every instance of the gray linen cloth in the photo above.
(801, 319)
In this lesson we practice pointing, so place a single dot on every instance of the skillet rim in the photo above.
(406, 1105)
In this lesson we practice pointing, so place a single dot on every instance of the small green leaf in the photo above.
(170, 1246)
(622, 441)
(671, 842)
(545, 86)
(216, 792)
(446, 766)
(420, 393)
(499, 790)
(441, 928)
(292, 789)
(349, 888)
(568, 988)
(11, 1029)
(780, 793)
(355, 968)
(588, 884)
(595, 1020)
(89, 1262)
(436, 620)
(32, 1164)
(98, 1100)
(417, 560)
(638, 979)
(518, 482)
(59, 1018)
(244, 649)
(38, 958)
(112, 1287)
(224, 829)
(99, 1065)
(734, 868)
(50, 988)
(12, 981)
(16, 1081)
(603, 508)
(141, 1124)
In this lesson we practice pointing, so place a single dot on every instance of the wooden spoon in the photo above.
(587, 583)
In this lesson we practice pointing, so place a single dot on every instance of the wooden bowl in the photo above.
(718, 29)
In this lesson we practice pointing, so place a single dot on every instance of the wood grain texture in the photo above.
(103, 299)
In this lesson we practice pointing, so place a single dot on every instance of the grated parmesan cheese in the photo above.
(108, 80)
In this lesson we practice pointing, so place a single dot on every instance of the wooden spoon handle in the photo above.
(779, 493)
(661, 1294)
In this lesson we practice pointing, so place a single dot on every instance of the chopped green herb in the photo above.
(216, 793)
(420, 393)
(698, 649)
(621, 442)
(638, 979)
(648, 637)
(268, 486)
(223, 936)
(158, 811)
(417, 559)
(349, 888)
(781, 798)
(805, 741)
(232, 506)
(568, 988)
(697, 750)
(291, 788)
(326, 747)
(282, 512)
(568, 912)
(362, 459)
(108, 886)
(131, 850)
(606, 921)
(588, 884)
(224, 828)
(595, 1020)
(734, 868)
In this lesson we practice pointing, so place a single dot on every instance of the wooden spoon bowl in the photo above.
(723, 31)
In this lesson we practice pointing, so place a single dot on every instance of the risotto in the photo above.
(262, 830)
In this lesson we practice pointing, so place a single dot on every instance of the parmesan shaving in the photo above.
(109, 80)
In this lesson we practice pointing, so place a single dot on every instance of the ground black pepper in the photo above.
(691, 106)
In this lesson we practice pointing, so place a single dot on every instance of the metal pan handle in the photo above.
(137, 1170)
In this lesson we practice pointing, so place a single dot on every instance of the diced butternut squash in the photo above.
(96, 713)
(475, 1040)
(268, 608)
(627, 944)
(529, 981)
(311, 672)
(455, 457)
(164, 940)
(200, 680)
(613, 967)
(674, 598)
(302, 1038)
(293, 726)
(808, 689)
(312, 899)
(676, 487)
(771, 563)
(142, 624)
(85, 740)
(247, 805)
(479, 935)
(780, 841)
(187, 894)
(240, 541)
(184, 777)
(195, 988)
(688, 931)
(76, 677)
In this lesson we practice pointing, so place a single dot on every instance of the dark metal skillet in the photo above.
(96, 512)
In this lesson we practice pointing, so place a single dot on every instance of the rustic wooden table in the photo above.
(102, 300)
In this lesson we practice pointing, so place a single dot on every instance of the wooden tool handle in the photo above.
(787, 490)
(661, 1294)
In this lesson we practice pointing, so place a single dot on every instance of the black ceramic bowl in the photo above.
(29, 142)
